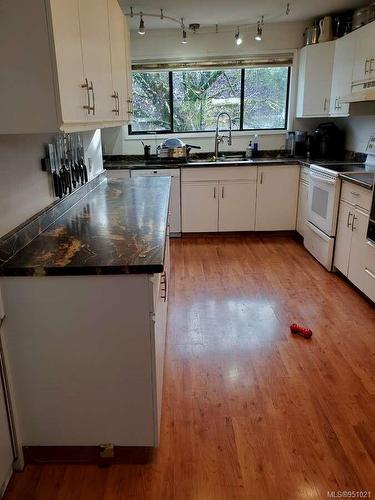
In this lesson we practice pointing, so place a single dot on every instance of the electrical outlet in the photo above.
(106, 450)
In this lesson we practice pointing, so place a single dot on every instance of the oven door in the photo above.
(323, 201)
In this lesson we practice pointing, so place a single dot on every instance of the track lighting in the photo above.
(238, 37)
(184, 35)
(259, 33)
(141, 29)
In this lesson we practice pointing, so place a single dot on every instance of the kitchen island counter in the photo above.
(120, 227)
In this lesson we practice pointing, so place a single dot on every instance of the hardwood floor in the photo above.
(249, 411)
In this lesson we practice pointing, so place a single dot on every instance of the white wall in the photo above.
(24, 188)
(166, 44)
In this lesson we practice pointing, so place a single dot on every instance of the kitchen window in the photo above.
(189, 100)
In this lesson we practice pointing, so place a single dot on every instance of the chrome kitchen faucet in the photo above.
(220, 138)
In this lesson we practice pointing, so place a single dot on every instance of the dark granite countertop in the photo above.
(364, 179)
(129, 165)
(118, 228)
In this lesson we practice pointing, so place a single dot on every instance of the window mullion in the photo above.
(242, 97)
(171, 100)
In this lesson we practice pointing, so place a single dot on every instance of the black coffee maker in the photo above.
(326, 143)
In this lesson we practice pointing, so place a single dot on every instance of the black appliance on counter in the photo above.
(326, 142)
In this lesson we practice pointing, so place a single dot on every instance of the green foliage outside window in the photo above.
(190, 100)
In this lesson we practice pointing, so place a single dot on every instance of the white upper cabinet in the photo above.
(277, 197)
(119, 62)
(315, 80)
(364, 63)
(68, 52)
(65, 60)
(97, 56)
(342, 74)
(128, 96)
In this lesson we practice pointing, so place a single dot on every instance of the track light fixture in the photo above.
(238, 37)
(141, 29)
(259, 33)
(184, 39)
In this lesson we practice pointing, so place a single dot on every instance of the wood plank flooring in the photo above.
(249, 411)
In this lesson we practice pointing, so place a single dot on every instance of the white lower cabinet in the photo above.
(237, 205)
(71, 391)
(354, 254)
(302, 208)
(369, 271)
(218, 199)
(199, 206)
(277, 196)
(344, 237)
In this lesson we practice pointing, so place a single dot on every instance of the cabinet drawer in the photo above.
(356, 195)
(369, 272)
(219, 174)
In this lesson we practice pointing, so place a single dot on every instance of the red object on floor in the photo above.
(300, 330)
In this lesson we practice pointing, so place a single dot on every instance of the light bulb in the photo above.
(238, 37)
(184, 37)
(259, 33)
(141, 29)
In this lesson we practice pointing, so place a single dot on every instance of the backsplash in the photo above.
(25, 189)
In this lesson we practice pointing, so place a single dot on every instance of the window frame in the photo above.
(171, 130)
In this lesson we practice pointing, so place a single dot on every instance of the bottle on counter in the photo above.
(249, 151)
(255, 146)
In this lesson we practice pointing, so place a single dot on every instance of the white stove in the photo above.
(323, 204)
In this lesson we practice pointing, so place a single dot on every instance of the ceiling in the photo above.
(224, 12)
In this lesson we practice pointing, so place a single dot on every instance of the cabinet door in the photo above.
(161, 286)
(200, 206)
(277, 195)
(358, 250)
(302, 207)
(364, 63)
(96, 56)
(343, 237)
(118, 60)
(315, 80)
(128, 95)
(342, 74)
(69, 63)
(6, 453)
(237, 205)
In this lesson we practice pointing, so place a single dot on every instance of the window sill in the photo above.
(202, 135)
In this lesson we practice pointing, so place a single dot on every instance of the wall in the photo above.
(24, 188)
(166, 45)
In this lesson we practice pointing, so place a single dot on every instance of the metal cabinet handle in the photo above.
(214, 191)
(325, 104)
(130, 106)
(261, 178)
(354, 219)
(93, 97)
(366, 69)
(114, 96)
(118, 104)
(370, 273)
(87, 87)
(354, 193)
(222, 192)
(371, 69)
(348, 219)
